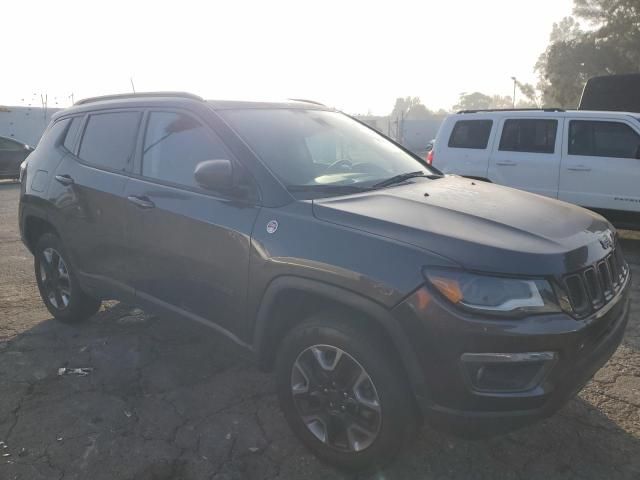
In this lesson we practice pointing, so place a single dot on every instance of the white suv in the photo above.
(588, 158)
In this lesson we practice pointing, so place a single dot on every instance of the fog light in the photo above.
(506, 372)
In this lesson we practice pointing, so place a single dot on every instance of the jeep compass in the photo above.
(380, 292)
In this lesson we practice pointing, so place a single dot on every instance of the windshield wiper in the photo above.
(402, 177)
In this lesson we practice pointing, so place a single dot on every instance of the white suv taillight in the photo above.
(430, 157)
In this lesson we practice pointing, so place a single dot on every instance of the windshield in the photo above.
(316, 149)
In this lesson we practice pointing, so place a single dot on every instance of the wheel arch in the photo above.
(288, 300)
(34, 226)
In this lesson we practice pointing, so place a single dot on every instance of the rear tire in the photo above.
(351, 425)
(57, 283)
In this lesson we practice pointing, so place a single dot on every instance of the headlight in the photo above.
(494, 295)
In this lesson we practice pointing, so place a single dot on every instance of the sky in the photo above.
(358, 56)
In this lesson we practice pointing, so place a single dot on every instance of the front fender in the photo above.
(267, 326)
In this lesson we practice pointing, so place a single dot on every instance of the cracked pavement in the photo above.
(173, 400)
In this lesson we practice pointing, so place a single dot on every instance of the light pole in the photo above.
(515, 82)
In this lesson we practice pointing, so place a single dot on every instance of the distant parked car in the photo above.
(12, 154)
(589, 158)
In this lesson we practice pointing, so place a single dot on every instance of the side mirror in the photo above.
(214, 175)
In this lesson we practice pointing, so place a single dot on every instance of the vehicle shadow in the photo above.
(168, 400)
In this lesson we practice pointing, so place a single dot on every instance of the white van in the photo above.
(588, 158)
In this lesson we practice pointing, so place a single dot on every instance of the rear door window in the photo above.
(471, 134)
(109, 139)
(529, 135)
(603, 139)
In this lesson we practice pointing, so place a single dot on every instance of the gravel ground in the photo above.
(169, 400)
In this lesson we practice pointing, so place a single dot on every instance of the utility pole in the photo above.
(515, 82)
(44, 99)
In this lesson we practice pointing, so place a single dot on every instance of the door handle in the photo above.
(507, 163)
(64, 179)
(579, 168)
(141, 201)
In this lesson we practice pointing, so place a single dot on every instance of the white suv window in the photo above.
(603, 139)
(529, 135)
(471, 134)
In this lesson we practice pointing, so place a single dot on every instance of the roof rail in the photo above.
(306, 101)
(120, 96)
(513, 110)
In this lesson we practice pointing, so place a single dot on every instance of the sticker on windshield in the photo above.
(272, 226)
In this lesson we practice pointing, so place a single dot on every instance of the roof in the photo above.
(174, 98)
(292, 103)
(123, 96)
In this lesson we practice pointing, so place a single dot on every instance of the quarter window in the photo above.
(72, 131)
(603, 139)
(109, 139)
(174, 144)
(529, 135)
(52, 137)
(471, 134)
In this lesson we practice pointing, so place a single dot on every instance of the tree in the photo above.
(531, 95)
(610, 44)
(409, 107)
(480, 101)
(473, 101)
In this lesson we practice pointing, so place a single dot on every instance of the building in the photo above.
(25, 124)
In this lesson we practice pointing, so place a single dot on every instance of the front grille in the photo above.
(592, 288)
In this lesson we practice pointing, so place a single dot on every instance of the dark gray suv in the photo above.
(380, 291)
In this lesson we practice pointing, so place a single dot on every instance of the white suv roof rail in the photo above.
(480, 110)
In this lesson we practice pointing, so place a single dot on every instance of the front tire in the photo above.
(57, 283)
(343, 392)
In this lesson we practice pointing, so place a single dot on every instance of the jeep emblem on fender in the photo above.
(605, 240)
(272, 226)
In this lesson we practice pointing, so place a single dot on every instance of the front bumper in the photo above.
(441, 335)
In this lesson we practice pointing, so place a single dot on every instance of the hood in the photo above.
(480, 226)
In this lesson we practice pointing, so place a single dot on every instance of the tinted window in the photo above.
(603, 139)
(52, 137)
(174, 144)
(109, 139)
(471, 134)
(529, 135)
(72, 131)
(11, 145)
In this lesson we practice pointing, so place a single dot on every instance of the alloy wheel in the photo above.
(54, 278)
(336, 398)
